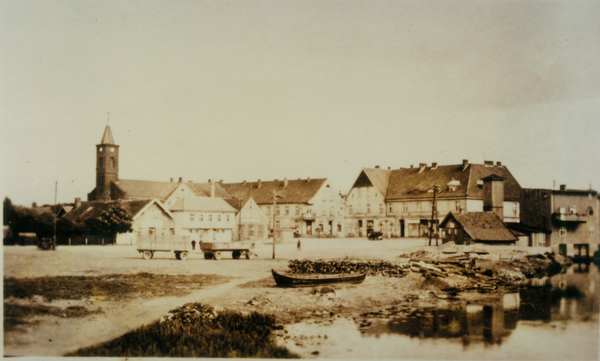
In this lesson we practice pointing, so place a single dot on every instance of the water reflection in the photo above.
(569, 296)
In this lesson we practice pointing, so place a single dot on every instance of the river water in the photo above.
(554, 318)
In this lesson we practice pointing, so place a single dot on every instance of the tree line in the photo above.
(40, 221)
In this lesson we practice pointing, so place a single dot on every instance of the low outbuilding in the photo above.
(476, 227)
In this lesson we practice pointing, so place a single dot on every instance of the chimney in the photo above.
(308, 180)
(422, 167)
(563, 187)
(493, 195)
(221, 181)
(259, 184)
(212, 189)
(411, 166)
(389, 168)
(180, 179)
(244, 182)
(171, 180)
(488, 162)
(465, 164)
(499, 163)
(433, 165)
(376, 167)
(285, 182)
(77, 203)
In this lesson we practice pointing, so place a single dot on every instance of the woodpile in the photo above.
(372, 267)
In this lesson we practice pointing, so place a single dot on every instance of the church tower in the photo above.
(107, 166)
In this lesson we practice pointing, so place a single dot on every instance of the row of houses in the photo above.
(474, 203)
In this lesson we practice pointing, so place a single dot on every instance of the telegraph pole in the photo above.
(240, 222)
(55, 209)
(274, 218)
(433, 227)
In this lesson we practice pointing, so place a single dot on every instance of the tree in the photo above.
(112, 221)
(8, 209)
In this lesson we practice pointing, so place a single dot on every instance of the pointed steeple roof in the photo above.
(107, 138)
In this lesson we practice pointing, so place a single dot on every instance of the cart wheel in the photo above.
(207, 255)
(178, 255)
(217, 255)
(183, 256)
(236, 254)
(148, 254)
(249, 255)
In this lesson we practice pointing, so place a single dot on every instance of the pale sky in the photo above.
(247, 90)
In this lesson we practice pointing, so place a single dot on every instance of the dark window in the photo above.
(101, 162)
(113, 162)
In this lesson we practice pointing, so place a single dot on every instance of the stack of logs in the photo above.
(459, 264)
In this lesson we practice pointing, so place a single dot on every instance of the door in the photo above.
(330, 227)
(402, 234)
(370, 227)
(308, 227)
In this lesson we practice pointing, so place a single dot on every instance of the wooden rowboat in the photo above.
(308, 280)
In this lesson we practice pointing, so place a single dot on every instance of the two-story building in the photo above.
(570, 214)
(399, 202)
(205, 219)
(309, 206)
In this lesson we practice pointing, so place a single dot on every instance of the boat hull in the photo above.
(299, 281)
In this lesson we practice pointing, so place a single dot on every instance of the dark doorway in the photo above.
(330, 227)
(370, 227)
(402, 231)
(308, 227)
(360, 226)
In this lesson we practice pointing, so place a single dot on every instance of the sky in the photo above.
(247, 90)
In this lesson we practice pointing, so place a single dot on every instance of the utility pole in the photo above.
(274, 218)
(241, 202)
(55, 209)
(433, 227)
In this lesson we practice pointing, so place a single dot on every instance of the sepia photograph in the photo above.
(315, 179)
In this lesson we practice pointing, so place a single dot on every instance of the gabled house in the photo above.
(149, 216)
(399, 201)
(251, 223)
(309, 206)
(476, 227)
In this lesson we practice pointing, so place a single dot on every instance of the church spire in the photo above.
(107, 138)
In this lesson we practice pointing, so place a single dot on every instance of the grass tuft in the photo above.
(196, 330)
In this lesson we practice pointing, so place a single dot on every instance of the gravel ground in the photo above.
(54, 336)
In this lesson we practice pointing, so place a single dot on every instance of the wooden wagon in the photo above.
(182, 246)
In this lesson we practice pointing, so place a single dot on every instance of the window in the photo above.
(277, 211)
(405, 208)
(573, 209)
(227, 218)
(287, 210)
(591, 211)
(250, 230)
(172, 231)
(277, 225)
(562, 232)
(151, 230)
(350, 209)
(261, 230)
(297, 210)
(339, 228)
(164, 232)
(139, 230)
(457, 206)
(381, 209)
(390, 210)
(368, 208)
(219, 218)
(541, 239)
(192, 217)
(210, 217)
(268, 211)
(297, 225)
(201, 218)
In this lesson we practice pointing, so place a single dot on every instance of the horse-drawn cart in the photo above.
(182, 246)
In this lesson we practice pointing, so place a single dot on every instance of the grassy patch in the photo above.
(113, 287)
(15, 315)
(264, 283)
(195, 330)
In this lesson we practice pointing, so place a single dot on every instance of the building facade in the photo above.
(398, 202)
(310, 207)
(570, 215)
